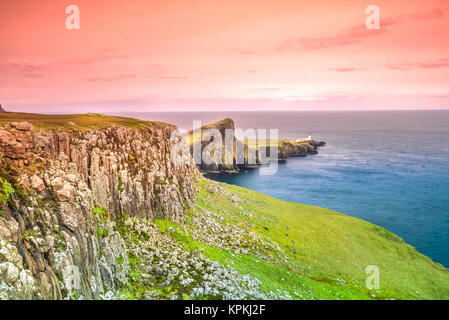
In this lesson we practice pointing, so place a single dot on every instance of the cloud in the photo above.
(28, 68)
(31, 65)
(94, 59)
(269, 89)
(357, 33)
(343, 69)
(351, 36)
(439, 63)
(101, 55)
(174, 77)
(247, 52)
(432, 14)
(113, 77)
(305, 99)
(32, 68)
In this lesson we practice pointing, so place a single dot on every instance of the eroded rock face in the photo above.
(52, 244)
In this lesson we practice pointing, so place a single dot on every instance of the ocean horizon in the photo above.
(390, 168)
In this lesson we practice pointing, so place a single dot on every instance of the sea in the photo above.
(390, 168)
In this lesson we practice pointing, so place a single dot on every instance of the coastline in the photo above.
(134, 218)
(285, 149)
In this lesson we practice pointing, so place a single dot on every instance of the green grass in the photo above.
(6, 190)
(331, 250)
(83, 122)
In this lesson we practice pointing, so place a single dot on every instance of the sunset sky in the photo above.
(144, 55)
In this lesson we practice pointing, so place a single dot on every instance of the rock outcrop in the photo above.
(62, 194)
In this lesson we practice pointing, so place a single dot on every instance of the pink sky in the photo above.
(146, 55)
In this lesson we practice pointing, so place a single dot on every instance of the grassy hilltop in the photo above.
(74, 122)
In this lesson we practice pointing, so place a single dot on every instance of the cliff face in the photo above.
(66, 191)
(215, 166)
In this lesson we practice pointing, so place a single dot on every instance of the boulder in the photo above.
(57, 183)
(22, 126)
(66, 193)
(37, 183)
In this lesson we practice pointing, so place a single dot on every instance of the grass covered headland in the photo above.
(74, 122)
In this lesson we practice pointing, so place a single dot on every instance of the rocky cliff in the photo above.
(215, 166)
(62, 194)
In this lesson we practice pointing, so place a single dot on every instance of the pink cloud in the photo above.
(344, 69)
(92, 59)
(174, 77)
(28, 68)
(247, 52)
(440, 63)
(112, 77)
(358, 33)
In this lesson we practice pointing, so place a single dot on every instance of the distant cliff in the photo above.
(1, 109)
(286, 149)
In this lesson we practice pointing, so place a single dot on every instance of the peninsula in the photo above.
(285, 149)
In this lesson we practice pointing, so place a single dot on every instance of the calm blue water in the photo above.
(390, 167)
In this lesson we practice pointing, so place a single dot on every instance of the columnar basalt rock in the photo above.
(51, 246)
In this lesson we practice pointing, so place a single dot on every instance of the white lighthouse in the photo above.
(309, 138)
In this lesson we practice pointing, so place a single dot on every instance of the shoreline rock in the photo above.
(286, 149)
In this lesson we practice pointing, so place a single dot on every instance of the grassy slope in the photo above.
(331, 253)
(82, 121)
